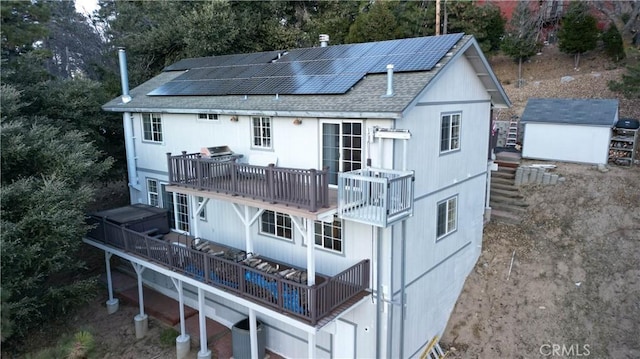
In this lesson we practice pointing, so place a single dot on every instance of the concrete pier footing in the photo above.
(141, 322)
(204, 355)
(183, 346)
(112, 305)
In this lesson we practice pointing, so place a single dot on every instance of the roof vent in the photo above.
(389, 80)
(324, 40)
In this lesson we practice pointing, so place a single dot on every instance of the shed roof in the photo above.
(366, 99)
(593, 112)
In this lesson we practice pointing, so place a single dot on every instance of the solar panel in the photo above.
(341, 84)
(319, 70)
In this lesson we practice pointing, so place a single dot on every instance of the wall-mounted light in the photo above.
(297, 121)
(234, 118)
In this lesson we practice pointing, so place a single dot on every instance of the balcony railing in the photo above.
(375, 196)
(309, 303)
(307, 189)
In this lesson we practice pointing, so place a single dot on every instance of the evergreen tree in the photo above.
(484, 22)
(579, 31)
(629, 85)
(613, 45)
(47, 177)
(520, 42)
(377, 22)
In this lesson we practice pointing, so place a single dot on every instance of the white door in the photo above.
(341, 147)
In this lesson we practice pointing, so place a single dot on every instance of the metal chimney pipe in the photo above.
(324, 40)
(390, 80)
(124, 75)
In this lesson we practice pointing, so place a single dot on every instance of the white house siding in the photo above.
(435, 270)
(570, 143)
(435, 170)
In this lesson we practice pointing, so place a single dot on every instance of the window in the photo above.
(447, 216)
(450, 132)
(329, 235)
(152, 192)
(261, 132)
(203, 212)
(152, 127)
(208, 116)
(276, 224)
(341, 148)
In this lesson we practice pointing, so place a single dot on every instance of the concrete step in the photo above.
(506, 169)
(505, 216)
(507, 207)
(509, 192)
(508, 201)
(500, 174)
(504, 185)
(503, 181)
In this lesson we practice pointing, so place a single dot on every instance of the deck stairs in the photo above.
(507, 204)
(433, 350)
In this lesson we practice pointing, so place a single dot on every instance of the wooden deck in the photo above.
(274, 285)
(306, 189)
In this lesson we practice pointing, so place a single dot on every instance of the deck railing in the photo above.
(308, 189)
(375, 196)
(309, 303)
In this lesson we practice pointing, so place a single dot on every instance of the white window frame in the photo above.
(280, 230)
(153, 195)
(153, 131)
(450, 213)
(327, 241)
(450, 131)
(203, 213)
(206, 117)
(261, 132)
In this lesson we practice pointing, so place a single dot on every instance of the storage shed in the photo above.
(569, 130)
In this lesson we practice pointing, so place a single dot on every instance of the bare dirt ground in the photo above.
(566, 282)
(575, 278)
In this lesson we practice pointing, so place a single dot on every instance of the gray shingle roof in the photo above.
(366, 99)
(594, 112)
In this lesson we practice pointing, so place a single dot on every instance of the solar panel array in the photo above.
(319, 70)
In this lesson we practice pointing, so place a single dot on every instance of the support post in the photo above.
(141, 320)
(183, 341)
(247, 230)
(204, 352)
(253, 333)
(311, 348)
(311, 258)
(194, 210)
(112, 303)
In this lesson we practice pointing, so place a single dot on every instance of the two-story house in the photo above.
(333, 195)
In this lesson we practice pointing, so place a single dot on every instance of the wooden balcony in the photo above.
(228, 269)
(305, 189)
(375, 196)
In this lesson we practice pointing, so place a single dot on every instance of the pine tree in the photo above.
(520, 40)
(613, 45)
(579, 31)
(629, 85)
